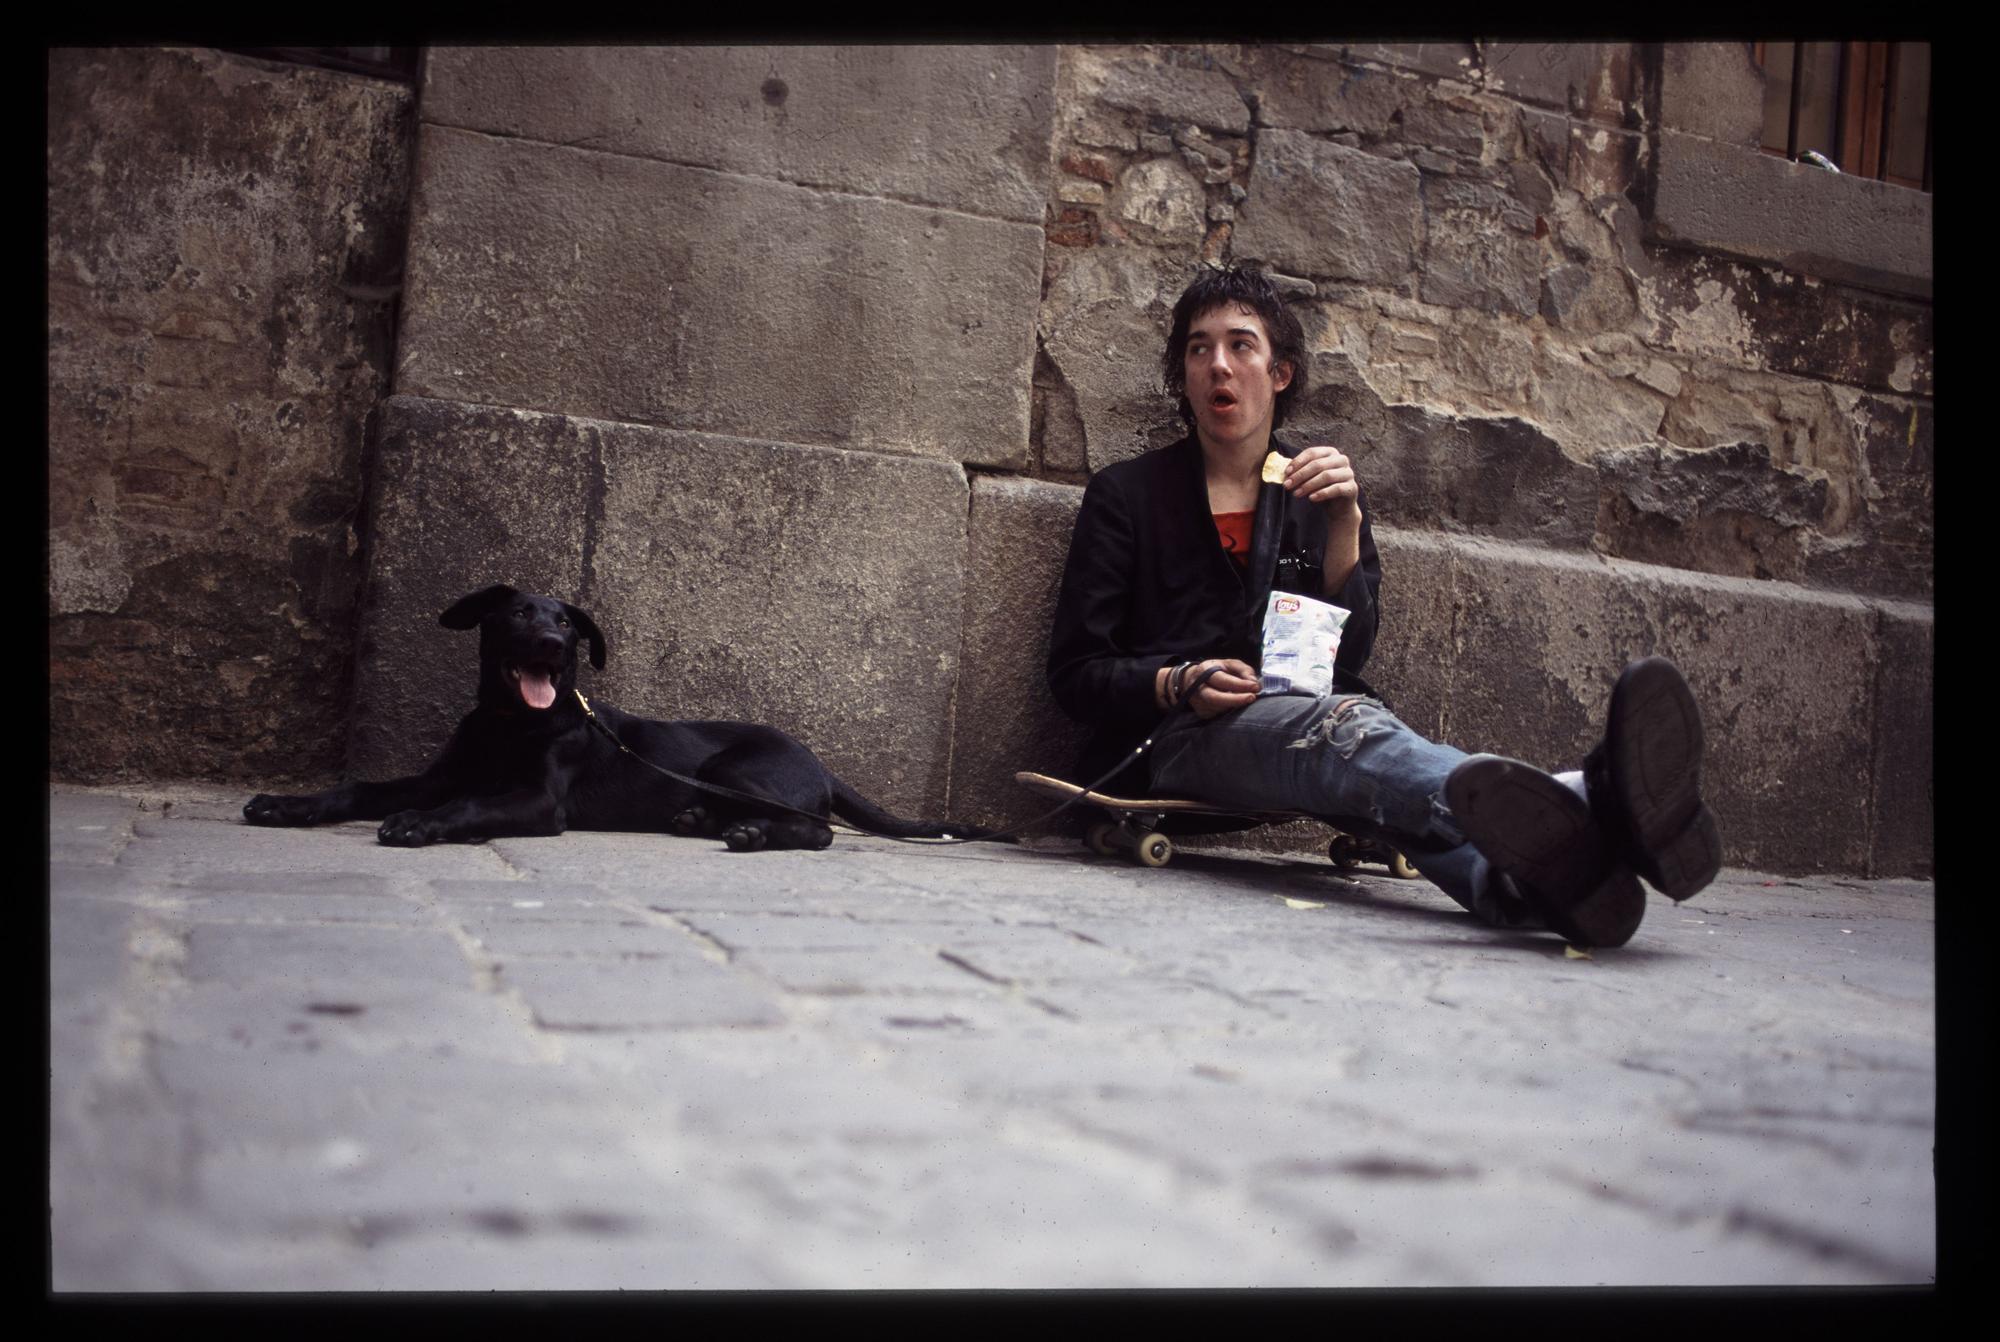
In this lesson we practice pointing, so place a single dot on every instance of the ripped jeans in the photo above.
(1345, 757)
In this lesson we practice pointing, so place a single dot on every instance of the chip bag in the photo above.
(1301, 639)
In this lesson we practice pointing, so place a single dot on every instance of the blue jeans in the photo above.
(1349, 759)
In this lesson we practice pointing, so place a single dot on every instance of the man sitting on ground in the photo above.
(1158, 631)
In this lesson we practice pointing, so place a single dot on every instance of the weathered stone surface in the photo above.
(1300, 93)
(1162, 200)
(1727, 509)
(1902, 801)
(1127, 79)
(1713, 89)
(1417, 643)
(627, 289)
(1455, 125)
(1480, 249)
(1004, 718)
(1604, 162)
(1784, 676)
(677, 991)
(1103, 328)
(1785, 682)
(1057, 430)
(1329, 212)
(818, 592)
(1724, 198)
(1450, 60)
(1421, 468)
(224, 244)
(815, 591)
(1758, 316)
(1892, 548)
(1547, 74)
(462, 498)
(963, 127)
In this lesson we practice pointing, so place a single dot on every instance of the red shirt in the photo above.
(1235, 530)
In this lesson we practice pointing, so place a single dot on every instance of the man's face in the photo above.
(1231, 382)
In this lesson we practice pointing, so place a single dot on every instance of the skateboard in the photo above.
(1134, 826)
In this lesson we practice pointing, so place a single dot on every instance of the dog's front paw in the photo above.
(696, 820)
(746, 836)
(265, 809)
(410, 829)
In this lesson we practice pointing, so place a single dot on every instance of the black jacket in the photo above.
(1147, 585)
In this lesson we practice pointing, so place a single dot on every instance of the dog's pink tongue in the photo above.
(537, 689)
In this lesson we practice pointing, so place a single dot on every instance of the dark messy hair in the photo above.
(1236, 287)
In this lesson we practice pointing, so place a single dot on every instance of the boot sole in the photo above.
(1654, 745)
(1544, 836)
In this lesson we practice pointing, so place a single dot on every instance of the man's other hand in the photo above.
(1233, 686)
(1324, 475)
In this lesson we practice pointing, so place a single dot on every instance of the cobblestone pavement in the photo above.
(299, 1060)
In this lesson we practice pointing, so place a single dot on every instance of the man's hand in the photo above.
(1324, 475)
(1233, 685)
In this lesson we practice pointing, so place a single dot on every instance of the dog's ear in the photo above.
(468, 611)
(588, 628)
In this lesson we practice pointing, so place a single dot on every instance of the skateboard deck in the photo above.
(1134, 822)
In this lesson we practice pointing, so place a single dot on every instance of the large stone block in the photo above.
(1129, 79)
(1104, 326)
(1004, 718)
(1760, 316)
(1721, 197)
(627, 289)
(1551, 74)
(1786, 685)
(1536, 639)
(815, 591)
(1304, 93)
(1811, 766)
(1330, 212)
(963, 127)
(1713, 89)
(1480, 249)
(1903, 817)
(224, 241)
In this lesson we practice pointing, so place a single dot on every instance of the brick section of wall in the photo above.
(224, 247)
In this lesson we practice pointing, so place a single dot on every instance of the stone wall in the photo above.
(1496, 339)
(789, 363)
(705, 341)
(225, 242)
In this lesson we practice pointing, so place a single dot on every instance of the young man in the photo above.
(1158, 630)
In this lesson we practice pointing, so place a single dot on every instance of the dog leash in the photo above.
(995, 837)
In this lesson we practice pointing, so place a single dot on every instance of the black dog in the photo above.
(527, 759)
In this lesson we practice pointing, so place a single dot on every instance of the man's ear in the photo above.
(469, 610)
(588, 628)
(1281, 374)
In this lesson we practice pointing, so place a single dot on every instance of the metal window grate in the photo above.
(1864, 107)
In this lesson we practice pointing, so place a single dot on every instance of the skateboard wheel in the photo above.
(1154, 849)
(1098, 839)
(1400, 868)
(1341, 852)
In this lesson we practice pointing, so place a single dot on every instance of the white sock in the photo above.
(1573, 780)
